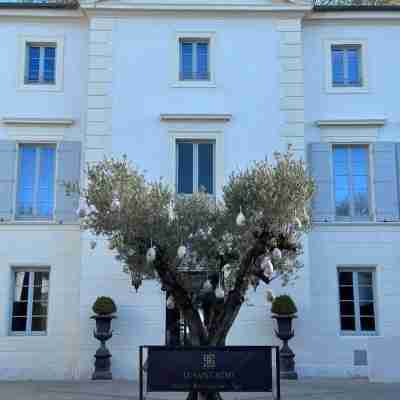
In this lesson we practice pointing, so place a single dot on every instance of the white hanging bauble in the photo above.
(82, 209)
(92, 208)
(93, 244)
(115, 204)
(207, 286)
(267, 267)
(240, 219)
(276, 253)
(171, 212)
(269, 294)
(151, 255)
(170, 303)
(297, 223)
(219, 293)
(181, 251)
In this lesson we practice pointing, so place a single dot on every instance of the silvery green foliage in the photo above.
(135, 215)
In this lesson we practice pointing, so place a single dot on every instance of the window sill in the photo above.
(347, 90)
(40, 88)
(194, 84)
(357, 223)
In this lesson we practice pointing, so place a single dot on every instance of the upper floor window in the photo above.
(194, 59)
(40, 65)
(36, 172)
(351, 180)
(195, 166)
(346, 65)
(357, 301)
(30, 301)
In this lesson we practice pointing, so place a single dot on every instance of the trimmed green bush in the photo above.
(104, 305)
(283, 305)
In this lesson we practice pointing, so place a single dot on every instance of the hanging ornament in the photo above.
(207, 286)
(151, 255)
(82, 209)
(306, 216)
(92, 208)
(240, 219)
(136, 279)
(297, 223)
(219, 293)
(269, 294)
(93, 244)
(276, 253)
(115, 204)
(267, 267)
(171, 212)
(170, 303)
(181, 251)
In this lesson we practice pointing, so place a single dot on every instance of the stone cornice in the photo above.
(18, 121)
(351, 122)
(195, 117)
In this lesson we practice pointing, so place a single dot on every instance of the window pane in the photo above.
(342, 203)
(346, 293)
(367, 308)
(366, 293)
(41, 279)
(202, 60)
(20, 309)
(353, 66)
(348, 323)
(39, 308)
(45, 196)
(367, 324)
(361, 204)
(186, 60)
(365, 278)
(345, 278)
(342, 192)
(18, 324)
(49, 64)
(206, 167)
(347, 308)
(40, 293)
(33, 63)
(39, 324)
(185, 167)
(337, 66)
(26, 180)
(21, 286)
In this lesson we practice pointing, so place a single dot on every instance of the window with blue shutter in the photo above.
(351, 176)
(40, 63)
(195, 167)
(194, 59)
(346, 65)
(36, 180)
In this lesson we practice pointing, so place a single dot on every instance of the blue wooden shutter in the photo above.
(185, 167)
(386, 180)
(202, 60)
(69, 170)
(320, 155)
(8, 157)
(49, 64)
(186, 60)
(337, 66)
(353, 66)
(33, 63)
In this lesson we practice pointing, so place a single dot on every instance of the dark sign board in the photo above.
(223, 369)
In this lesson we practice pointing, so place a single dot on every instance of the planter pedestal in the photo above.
(103, 356)
(286, 356)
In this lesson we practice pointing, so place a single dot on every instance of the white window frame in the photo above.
(29, 268)
(371, 208)
(355, 270)
(330, 88)
(22, 61)
(30, 219)
(194, 35)
(215, 136)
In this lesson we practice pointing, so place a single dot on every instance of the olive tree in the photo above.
(251, 235)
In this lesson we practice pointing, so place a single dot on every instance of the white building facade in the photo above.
(165, 82)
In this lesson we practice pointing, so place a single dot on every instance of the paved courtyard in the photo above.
(313, 389)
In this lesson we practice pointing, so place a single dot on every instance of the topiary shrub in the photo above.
(104, 305)
(283, 305)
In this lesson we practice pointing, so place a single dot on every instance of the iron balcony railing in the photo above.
(356, 4)
(39, 3)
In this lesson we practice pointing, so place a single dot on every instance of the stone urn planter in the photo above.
(284, 311)
(104, 309)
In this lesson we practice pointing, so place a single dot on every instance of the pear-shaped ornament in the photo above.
(151, 255)
(207, 286)
(267, 267)
(181, 251)
(219, 293)
(240, 219)
(276, 253)
(170, 303)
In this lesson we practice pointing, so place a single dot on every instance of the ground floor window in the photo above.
(357, 301)
(30, 301)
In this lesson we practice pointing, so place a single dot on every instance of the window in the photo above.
(194, 59)
(351, 177)
(195, 166)
(346, 65)
(40, 67)
(36, 172)
(30, 301)
(357, 302)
